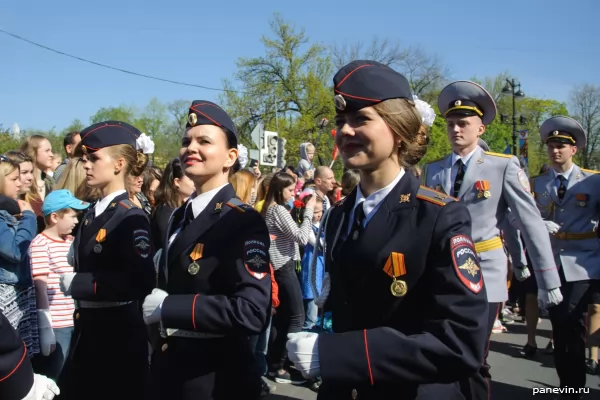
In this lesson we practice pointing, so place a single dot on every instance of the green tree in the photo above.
(287, 88)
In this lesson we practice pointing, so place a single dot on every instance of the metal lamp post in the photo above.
(513, 88)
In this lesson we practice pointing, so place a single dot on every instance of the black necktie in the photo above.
(562, 189)
(460, 174)
(359, 217)
(188, 217)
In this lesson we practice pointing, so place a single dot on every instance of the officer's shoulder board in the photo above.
(433, 196)
(590, 171)
(239, 206)
(489, 153)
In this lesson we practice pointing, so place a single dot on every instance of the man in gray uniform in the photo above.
(568, 198)
(490, 183)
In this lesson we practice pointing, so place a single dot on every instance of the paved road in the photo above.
(513, 376)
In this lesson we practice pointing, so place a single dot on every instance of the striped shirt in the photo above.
(49, 258)
(286, 235)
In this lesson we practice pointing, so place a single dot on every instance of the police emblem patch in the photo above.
(141, 243)
(256, 258)
(466, 264)
(524, 181)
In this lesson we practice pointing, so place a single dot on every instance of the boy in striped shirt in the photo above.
(48, 254)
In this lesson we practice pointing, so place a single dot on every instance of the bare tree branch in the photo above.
(585, 106)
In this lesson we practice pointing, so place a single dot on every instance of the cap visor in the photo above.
(78, 205)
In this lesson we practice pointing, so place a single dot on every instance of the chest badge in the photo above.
(396, 268)
(195, 255)
(405, 198)
(100, 237)
(483, 189)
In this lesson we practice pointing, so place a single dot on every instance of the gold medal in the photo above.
(398, 288)
(193, 268)
(196, 254)
(98, 248)
(487, 194)
(479, 195)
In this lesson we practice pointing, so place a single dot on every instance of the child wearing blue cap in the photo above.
(48, 254)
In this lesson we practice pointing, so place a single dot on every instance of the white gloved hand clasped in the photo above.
(66, 280)
(303, 351)
(521, 273)
(47, 336)
(549, 298)
(152, 306)
(552, 226)
(43, 389)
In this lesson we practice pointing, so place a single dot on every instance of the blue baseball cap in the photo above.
(61, 199)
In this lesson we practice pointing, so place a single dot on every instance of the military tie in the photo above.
(460, 174)
(359, 218)
(188, 217)
(562, 189)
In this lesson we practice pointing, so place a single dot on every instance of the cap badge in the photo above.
(457, 103)
(555, 133)
(193, 119)
(340, 102)
(84, 149)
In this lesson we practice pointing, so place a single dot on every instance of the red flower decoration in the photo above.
(298, 204)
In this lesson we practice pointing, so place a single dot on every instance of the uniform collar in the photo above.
(455, 157)
(372, 201)
(199, 202)
(102, 205)
(566, 174)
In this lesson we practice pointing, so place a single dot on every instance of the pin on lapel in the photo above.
(219, 206)
(113, 205)
(405, 198)
(480, 160)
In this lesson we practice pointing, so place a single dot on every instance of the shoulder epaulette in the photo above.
(590, 171)
(127, 204)
(239, 205)
(489, 153)
(433, 196)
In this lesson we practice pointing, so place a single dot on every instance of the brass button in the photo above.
(354, 394)
(77, 316)
(164, 347)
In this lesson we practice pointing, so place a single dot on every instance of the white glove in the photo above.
(552, 226)
(43, 389)
(65, 282)
(325, 289)
(47, 337)
(521, 273)
(152, 306)
(303, 351)
(548, 298)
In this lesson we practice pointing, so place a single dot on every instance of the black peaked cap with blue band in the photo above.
(563, 130)
(465, 98)
(108, 133)
(203, 112)
(363, 83)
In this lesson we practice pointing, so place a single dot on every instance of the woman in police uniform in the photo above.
(214, 284)
(408, 305)
(113, 273)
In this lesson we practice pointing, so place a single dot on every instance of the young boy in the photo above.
(48, 253)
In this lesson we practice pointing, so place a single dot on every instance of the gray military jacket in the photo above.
(508, 186)
(576, 247)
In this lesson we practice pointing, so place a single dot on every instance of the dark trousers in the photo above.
(569, 331)
(290, 313)
(478, 387)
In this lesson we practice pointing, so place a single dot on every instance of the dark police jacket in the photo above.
(230, 293)
(117, 265)
(16, 375)
(434, 329)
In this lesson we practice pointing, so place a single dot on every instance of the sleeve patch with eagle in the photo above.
(256, 258)
(465, 262)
